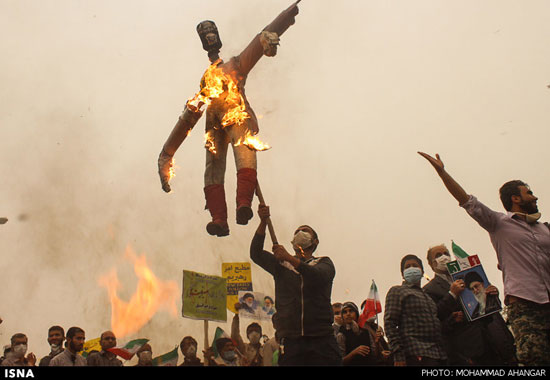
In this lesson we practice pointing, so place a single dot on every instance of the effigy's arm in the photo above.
(254, 51)
(181, 130)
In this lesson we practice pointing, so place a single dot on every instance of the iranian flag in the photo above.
(372, 305)
(217, 335)
(130, 349)
(169, 359)
(459, 252)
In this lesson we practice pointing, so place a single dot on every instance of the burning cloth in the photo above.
(229, 119)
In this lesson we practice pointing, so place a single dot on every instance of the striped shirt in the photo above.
(411, 324)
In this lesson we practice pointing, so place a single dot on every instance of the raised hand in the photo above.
(436, 162)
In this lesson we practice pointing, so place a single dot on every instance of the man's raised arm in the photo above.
(454, 188)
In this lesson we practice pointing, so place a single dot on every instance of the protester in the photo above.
(522, 245)
(357, 345)
(303, 286)
(56, 337)
(18, 350)
(337, 311)
(410, 319)
(227, 354)
(105, 358)
(145, 356)
(188, 347)
(252, 350)
(481, 342)
(381, 346)
(270, 352)
(70, 357)
(6, 353)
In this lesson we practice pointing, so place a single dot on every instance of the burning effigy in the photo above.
(229, 120)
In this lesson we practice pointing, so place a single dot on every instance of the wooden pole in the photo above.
(269, 224)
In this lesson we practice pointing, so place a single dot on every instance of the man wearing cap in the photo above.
(410, 320)
(522, 245)
(303, 286)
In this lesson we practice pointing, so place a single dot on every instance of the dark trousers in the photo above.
(310, 351)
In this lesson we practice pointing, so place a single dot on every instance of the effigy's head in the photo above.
(210, 38)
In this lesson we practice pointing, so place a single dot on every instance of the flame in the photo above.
(151, 295)
(172, 170)
(253, 142)
(214, 83)
(209, 141)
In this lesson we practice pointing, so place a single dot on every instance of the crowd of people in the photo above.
(424, 326)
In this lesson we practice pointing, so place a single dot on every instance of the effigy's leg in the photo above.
(246, 164)
(214, 191)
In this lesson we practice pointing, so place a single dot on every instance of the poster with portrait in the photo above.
(256, 305)
(239, 277)
(477, 303)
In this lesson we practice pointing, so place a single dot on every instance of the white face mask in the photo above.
(530, 218)
(20, 350)
(191, 351)
(302, 239)
(146, 356)
(441, 263)
(55, 348)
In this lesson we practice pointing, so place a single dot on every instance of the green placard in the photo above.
(204, 297)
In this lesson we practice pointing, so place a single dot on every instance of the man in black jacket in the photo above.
(486, 341)
(303, 286)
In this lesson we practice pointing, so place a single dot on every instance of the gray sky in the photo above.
(91, 90)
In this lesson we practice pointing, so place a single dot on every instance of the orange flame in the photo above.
(253, 142)
(151, 295)
(214, 83)
(209, 141)
(172, 170)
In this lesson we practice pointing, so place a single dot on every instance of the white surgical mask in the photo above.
(146, 356)
(55, 348)
(20, 350)
(441, 262)
(191, 351)
(530, 218)
(412, 275)
(302, 239)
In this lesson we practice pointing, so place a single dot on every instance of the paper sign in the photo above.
(204, 297)
(239, 277)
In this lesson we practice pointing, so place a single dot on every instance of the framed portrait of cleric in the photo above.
(477, 303)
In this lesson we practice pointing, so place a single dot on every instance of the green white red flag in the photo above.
(129, 349)
(169, 359)
(217, 335)
(372, 306)
(458, 252)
